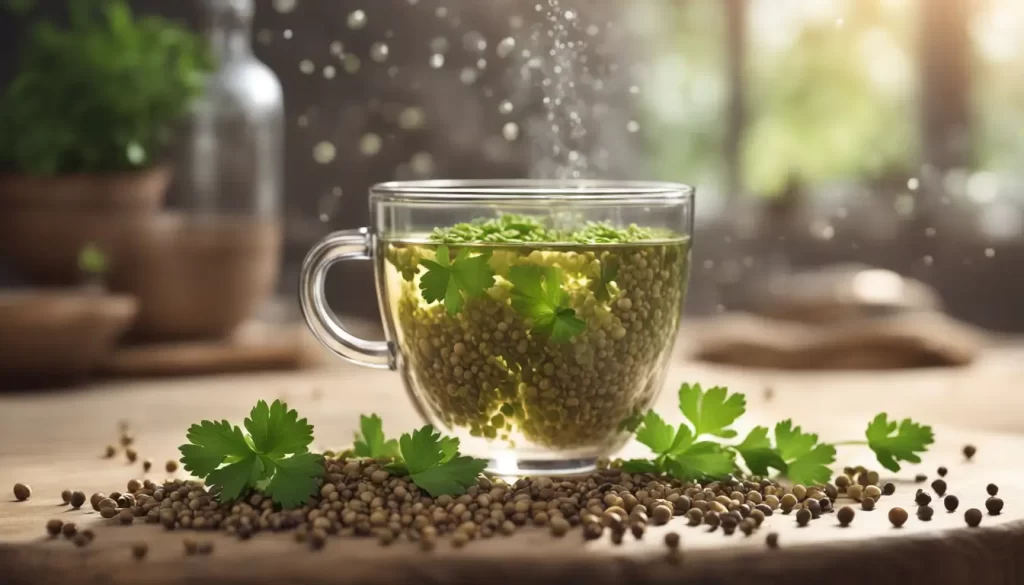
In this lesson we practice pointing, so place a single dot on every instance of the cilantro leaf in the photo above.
(758, 453)
(449, 448)
(807, 461)
(422, 449)
(277, 431)
(371, 442)
(294, 479)
(538, 295)
(226, 458)
(640, 466)
(609, 271)
(661, 437)
(711, 412)
(701, 460)
(455, 281)
(451, 478)
(909, 439)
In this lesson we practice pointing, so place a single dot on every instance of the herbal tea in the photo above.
(532, 337)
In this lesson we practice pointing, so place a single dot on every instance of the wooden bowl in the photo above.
(52, 338)
(140, 191)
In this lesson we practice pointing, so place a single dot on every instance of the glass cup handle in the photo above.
(338, 247)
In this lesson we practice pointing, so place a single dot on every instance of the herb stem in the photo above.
(841, 443)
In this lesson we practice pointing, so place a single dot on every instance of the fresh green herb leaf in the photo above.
(433, 463)
(609, 271)
(711, 412)
(701, 460)
(273, 456)
(910, 438)
(538, 295)
(661, 437)
(641, 466)
(371, 442)
(455, 281)
(807, 461)
(758, 453)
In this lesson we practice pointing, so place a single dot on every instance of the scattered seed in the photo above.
(385, 538)
(898, 517)
(920, 478)
(922, 498)
(66, 496)
(856, 492)
(973, 517)
(924, 513)
(108, 513)
(992, 489)
(617, 537)
(95, 500)
(994, 505)
(592, 531)
(661, 515)
(747, 526)
(77, 499)
(672, 540)
(803, 516)
(845, 515)
(88, 533)
(942, 471)
(889, 489)
(147, 465)
(873, 478)
(939, 486)
(559, 526)
(171, 466)
(134, 485)
(127, 439)
(867, 504)
(873, 492)
(842, 482)
(131, 454)
(22, 492)
(813, 507)
(831, 491)
(139, 550)
(951, 502)
(126, 516)
(638, 529)
(53, 527)
(205, 547)
(81, 540)
(460, 538)
(757, 516)
(800, 492)
(317, 539)
(969, 451)
(772, 540)
(69, 530)
(788, 502)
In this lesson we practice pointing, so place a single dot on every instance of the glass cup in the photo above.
(545, 326)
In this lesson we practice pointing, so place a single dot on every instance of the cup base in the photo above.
(514, 467)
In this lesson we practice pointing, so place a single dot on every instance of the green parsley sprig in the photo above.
(537, 294)
(455, 281)
(797, 454)
(273, 456)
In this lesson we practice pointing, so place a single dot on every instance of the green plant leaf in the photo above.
(277, 431)
(455, 281)
(371, 443)
(451, 478)
(758, 453)
(892, 443)
(294, 479)
(711, 412)
(701, 460)
(807, 461)
(537, 295)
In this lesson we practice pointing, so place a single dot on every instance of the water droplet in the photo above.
(135, 153)
(324, 152)
(437, 61)
(412, 118)
(593, 30)
(633, 126)
(306, 66)
(516, 22)
(633, 89)
(913, 183)
(439, 45)
(570, 15)
(709, 264)
(287, 33)
(468, 76)
(822, 229)
(422, 164)
(351, 63)
(356, 20)
(505, 107)
(929, 232)
(379, 52)
(928, 260)
(302, 120)
(337, 48)
(370, 144)
(329, 72)
(505, 47)
(510, 131)
(441, 12)
(990, 253)
(474, 41)
(904, 204)
(481, 64)
(284, 6)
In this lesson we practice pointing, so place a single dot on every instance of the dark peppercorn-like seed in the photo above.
(53, 527)
(131, 454)
(66, 496)
(110, 452)
(813, 507)
(939, 486)
(69, 529)
(694, 517)
(925, 513)
(205, 547)
(772, 540)
(826, 505)
(973, 517)
(992, 489)
(868, 504)
(942, 471)
(139, 550)
(898, 517)
(922, 498)
(672, 540)
(969, 451)
(88, 533)
(96, 499)
(147, 465)
(81, 540)
(22, 492)
(994, 505)
(950, 502)
(747, 526)
(803, 516)
(765, 509)
(77, 499)
(920, 478)
(171, 466)
(842, 482)
(845, 515)
(889, 489)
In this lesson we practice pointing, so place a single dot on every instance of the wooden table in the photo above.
(54, 441)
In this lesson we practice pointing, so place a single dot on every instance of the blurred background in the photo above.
(851, 134)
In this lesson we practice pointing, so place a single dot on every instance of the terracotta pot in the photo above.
(198, 279)
(53, 338)
(141, 191)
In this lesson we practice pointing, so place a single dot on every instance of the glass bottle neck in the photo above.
(230, 28)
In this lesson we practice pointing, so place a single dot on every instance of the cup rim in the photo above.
(532, 190)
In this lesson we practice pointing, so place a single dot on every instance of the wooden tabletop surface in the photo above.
(55, 440)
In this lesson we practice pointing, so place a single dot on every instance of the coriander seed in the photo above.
(559, 526)
(922, 498)
(842, 482)
(77, 499)
(803, 516)
(920, 478)
(855, 492)
(813, 507)
(96, 499)
(898, 517)
(942, 471)
(951, 502)
(873, 492)
(973, 517)
(747, 526)
(131, 454)
(110, 452)
(873, 478)
(81, 540)
(134, 485)
(845, 515)
(205, 547)
(969, 451)
(108, 513)
(867, 504)
(69, 529)
(171, 466)
(317, 539)
(126, 516)
(787, 502)
(712, 519)
(672, 540)
(88, 533)
(924, 513)
(772, 540)
(799, 492)
(54, 526)
(147, 465)
(994, 505)
(22, 492)
(592, 531)
(127, 439)
(66, 496)
(939, 486)
(889, 489)
(992, 489)
(661, 515)
(638, 529)
(139, 550)
(694, 517)
(460, 538)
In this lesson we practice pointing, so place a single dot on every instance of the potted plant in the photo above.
(87, 118)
